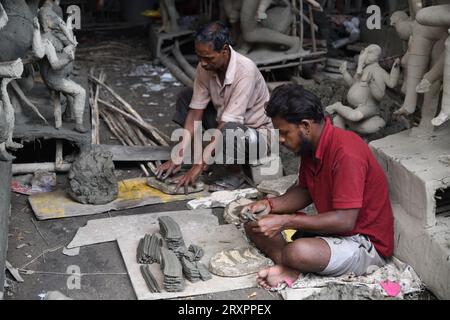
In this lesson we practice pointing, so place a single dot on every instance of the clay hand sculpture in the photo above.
(8, 73)
(55, 46)
(367, 88)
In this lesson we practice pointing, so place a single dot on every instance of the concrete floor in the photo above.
(104, 260)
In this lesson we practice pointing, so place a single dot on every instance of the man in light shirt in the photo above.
(229, 93)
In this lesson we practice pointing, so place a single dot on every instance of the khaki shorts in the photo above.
(354, 254)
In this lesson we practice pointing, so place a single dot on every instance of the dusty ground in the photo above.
(38, 246)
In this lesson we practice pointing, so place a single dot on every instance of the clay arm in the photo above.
(3, 17)
(67, 30)
(436, 16)
(347, 77)
(57, 61)
(262, 8)
(392, 80)
(38, 46)
(414, 7)
(377, 84)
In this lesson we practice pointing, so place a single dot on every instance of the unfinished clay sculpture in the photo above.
(55, 46)
(438, 16)
(92, 179)
(238, 262)
(8, 72)
(232, 211)
(424, 58)
(169, 188)
(367, 88)
(272, 30)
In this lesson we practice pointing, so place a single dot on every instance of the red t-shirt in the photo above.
(344, 174)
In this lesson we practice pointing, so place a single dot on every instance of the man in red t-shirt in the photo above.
(353, 230)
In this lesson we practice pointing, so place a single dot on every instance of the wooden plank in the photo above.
(137, 153)
(5, 203)
(133, 193)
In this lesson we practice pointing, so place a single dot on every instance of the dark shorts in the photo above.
(241, 146)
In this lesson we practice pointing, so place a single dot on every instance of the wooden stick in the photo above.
(176, 71)
(313, 33)
(125, 104)
(94, 110)
(115, 130)
(25, 100)
(158, 135)
(154, 132)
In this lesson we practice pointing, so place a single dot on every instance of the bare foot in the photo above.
(440, 119)
(13, 145)
(295, 48)
(272, 277)
(4, 155)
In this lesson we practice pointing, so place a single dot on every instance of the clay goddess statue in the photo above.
(367, 88)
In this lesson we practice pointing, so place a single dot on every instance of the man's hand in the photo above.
(189, 178)
(269, 225)
(166, 170)
(258, 209)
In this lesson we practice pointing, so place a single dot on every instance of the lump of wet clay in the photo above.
(92, 179)
(238, 262)
(168, 186)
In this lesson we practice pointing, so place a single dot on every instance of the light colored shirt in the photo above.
(242, 96)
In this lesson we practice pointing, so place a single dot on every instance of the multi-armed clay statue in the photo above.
(9, 70)
(55, 46)
(425, 57)
(367, 88)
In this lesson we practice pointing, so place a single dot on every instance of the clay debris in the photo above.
(172, 270)
(171, 232)
(149, 249)
(150, 280)
(92, 179)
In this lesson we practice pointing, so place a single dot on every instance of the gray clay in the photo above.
(92, 179)
(54, 44)
(169, 188)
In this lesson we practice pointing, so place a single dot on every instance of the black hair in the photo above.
(215, 33)
(294, 104)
